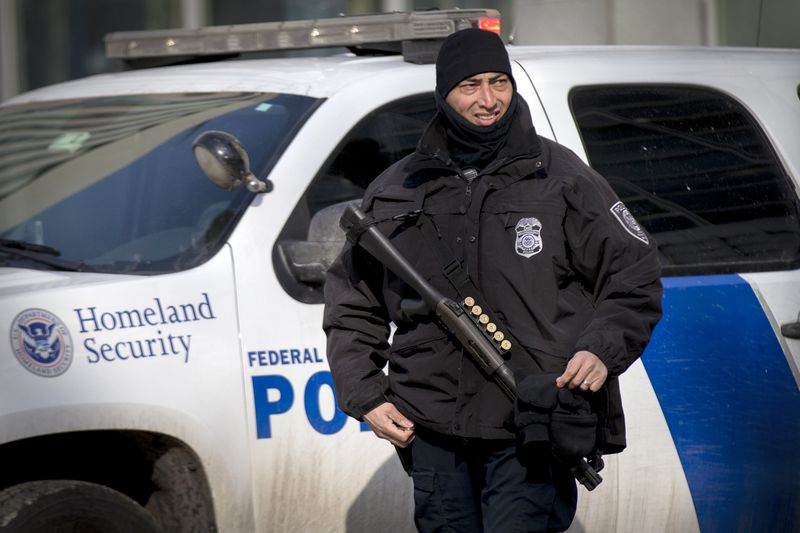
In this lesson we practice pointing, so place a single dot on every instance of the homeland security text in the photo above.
(162, 343)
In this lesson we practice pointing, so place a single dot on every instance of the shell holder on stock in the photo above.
(485, 325)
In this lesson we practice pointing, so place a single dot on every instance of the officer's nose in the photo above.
(486, 97)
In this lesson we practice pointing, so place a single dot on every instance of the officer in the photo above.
(485, 206)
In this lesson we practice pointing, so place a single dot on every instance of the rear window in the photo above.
(696, 170)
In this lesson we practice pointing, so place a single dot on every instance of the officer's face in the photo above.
(483, 98)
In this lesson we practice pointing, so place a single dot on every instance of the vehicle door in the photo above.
(710, 170)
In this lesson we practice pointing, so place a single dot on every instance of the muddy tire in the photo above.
(61, 506)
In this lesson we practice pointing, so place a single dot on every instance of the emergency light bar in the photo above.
(359, 31)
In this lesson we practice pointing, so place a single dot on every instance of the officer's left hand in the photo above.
(584, 370)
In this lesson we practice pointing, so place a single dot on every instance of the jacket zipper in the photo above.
(468, 176)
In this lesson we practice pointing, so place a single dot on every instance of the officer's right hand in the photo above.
(389, 424)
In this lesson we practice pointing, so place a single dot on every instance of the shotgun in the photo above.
(465, 321)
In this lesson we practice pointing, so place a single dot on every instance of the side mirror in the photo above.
(224, 160)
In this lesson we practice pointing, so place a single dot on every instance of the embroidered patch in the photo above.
(628, 222)
(529, 237)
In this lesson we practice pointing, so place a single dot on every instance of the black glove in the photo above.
(544, 413)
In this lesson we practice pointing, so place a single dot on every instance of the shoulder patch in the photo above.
(625, 218)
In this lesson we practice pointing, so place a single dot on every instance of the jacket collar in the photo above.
(522, 138)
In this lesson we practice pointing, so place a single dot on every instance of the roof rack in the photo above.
(416, 34)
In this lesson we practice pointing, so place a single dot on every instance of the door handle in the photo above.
(791, 330)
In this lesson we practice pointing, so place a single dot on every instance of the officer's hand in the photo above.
(584, 370)
(388, 423)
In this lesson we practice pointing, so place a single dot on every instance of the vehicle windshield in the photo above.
(110, 184)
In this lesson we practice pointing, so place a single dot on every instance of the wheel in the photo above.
(65, 506)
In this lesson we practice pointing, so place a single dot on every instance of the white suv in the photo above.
(164, 358)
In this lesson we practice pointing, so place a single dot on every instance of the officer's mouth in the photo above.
(486, 119)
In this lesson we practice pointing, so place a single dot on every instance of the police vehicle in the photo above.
(163, 358)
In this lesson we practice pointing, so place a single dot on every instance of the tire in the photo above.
(63, 506)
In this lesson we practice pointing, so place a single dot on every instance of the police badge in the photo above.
(529, 238)
(628, 222)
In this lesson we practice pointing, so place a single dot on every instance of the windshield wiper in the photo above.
(39, 253)
(29, 246)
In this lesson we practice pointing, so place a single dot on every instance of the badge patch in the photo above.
(529, 237)
(628, 222)
(41, 342)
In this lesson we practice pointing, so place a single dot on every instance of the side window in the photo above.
(697, 171)
(311, 238)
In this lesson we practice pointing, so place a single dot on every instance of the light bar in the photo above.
(353, 31)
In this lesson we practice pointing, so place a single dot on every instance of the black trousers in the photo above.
(476, 485)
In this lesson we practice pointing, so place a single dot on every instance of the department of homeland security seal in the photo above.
(628, 222)
(529, 237)
(41, 342)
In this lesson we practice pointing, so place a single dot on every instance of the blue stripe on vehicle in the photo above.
(731, 403)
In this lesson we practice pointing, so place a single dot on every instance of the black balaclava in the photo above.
(464, 54)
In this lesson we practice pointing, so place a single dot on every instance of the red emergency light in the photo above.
(489, 24)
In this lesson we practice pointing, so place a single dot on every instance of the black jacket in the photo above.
(549, 246)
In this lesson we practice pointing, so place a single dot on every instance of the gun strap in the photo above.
(451, 268)
(459, 279)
